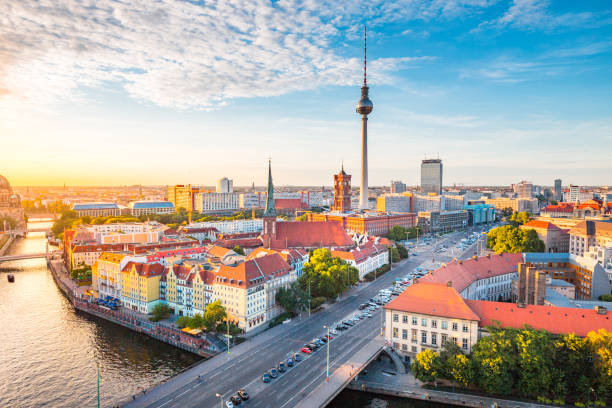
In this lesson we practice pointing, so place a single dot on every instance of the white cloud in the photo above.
(191, 56)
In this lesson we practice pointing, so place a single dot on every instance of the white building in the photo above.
(212, 202)
(150, 207)
(252, 200)
(393, 202)
(225, 185)
(366, 258)
(232, 227)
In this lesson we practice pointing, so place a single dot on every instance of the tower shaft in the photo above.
(363, 192)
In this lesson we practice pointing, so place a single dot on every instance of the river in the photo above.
(49, 352)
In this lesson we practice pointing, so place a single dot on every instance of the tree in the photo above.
(531, 242)
(461, 369)
(506, 212)
(395, 256)
(600, 345)
(238, 249)
(606, 298)
(534, 365)
(182, 322)
(397, 233)
(427, 365)
(494, 358)
(197, 321)
(293, 298)
(450, 349)
(214, 313)
(403, 252)
(160, 311)
(512, 239)
(303, 217)
(520, 218)
(328, 276)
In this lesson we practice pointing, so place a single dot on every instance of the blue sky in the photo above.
(164, 92)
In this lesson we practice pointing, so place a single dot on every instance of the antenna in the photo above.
(365, 48)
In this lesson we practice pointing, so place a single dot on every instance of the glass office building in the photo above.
(431, 176)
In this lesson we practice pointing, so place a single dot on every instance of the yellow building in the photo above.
(106, 274)
(140, 286)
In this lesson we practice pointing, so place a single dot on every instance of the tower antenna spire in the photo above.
(365, 48)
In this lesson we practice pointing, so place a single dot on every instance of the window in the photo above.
(404, 347)
(444, 325)
(404, 319)
(454, 340)
(423, 337)
(414, 336)
(434, 338)
(414, 349)
(434, 324)
(465, 344)
(395, 318)
(455, 326)
(395, 331)
(395, 345)
(414, 320)
(465, 328)
(424, 322)
(404, 334)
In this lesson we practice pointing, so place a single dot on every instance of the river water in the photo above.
(49, 352)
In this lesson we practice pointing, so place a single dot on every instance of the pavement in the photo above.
(242, 369)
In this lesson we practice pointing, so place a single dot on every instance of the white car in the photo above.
(229, 404)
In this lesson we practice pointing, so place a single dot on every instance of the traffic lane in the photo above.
(306, 331)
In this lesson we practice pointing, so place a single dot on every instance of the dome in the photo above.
(4, 184)
(364, 106)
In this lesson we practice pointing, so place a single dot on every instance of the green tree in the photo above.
(531, 242)
(214, 313)
(293, 298)
(395, 255)
(160, 312)
(494, 358)
(397, 233)
(600, 346)
(197, 321)
(328, 276)
(182, 322)
(534, 364)
(238, 249)
(450, 349)
(506, 212)
(461, 370)
(520, 218)
(303, 217)
(414, 232)
(513, 239)
(606, 298)
(427, 366)
(403, 252)
(572, 372)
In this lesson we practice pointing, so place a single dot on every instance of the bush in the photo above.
(182, 322)
(233, 329)
(317, 302)
(279, 319)
(379, 272)
(403, 252)
(160, 312)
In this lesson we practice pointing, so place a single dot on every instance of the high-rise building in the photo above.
(431, 176)
(558, 190)
(225, 185)
(183, 196)
(397, 187)
(524, 189)
(342, 192)
(364, 108)
(574, 193)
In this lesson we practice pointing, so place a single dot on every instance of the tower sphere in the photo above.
(364, 106)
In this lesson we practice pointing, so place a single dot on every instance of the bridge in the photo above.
(24, 256)
(22, 231)
(305, 384)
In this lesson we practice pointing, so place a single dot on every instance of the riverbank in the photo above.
(132, 321)
(5, 243)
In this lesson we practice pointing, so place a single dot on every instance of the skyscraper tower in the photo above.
(364, 107)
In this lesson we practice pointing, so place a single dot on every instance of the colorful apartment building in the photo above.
(106, 274)
(140, 286)
(366, 258)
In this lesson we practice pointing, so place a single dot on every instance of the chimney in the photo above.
(602, 310)
(449, 284)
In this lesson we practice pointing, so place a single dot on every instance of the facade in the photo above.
(431, 176)
(589, 234)
(10, 205)
(342, 192)
(394, 202)
(296, 258)
(480, 213)
(232, 227)
(150, 207)
(516, 204)
(225, 185)
(106, 274)
(366, 258)
(97, 209)
(140, 286)
(397, 187)
(183, 196)
(555, 239)
(371, 223)
(252, 200)
(429, 202)
(217, 202)
(524, 189)
(586, 274)
(443, 221)
(485, 278)
(199, 233)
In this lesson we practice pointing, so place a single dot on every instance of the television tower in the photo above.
(364, 107)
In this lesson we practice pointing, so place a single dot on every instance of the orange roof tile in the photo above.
(432, 299)
(253, 271)
(306, 234)
(463, 273)
(556, 320)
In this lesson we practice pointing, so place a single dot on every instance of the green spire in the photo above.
(270, 210)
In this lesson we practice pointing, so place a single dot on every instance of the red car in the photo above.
(306, 350)
(328, 337)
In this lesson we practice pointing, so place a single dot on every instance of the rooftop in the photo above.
(95, 206)
(150, 204)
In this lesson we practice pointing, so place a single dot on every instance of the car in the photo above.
(243, 395)
(297, 358)
(273, 372)
(313, 346)
(228, 404)
(236, 400)
(306, 350)
(368, 315)
(281, 367)
(362, 306)
(333, 332)
(324, 339)
(328, 337)
(290, 362)
(348, 323)
(265, 378)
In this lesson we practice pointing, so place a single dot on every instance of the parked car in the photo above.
(324, 339)
(236, 400)
(243, 395)
(281, 367)
(333, 332)
(273, 372)
(306, 350)
(228, 404)
(296, 357)
(313, 346)
(290, 362)
(265, 378)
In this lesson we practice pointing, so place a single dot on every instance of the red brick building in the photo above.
(372, 223)
(342, 192)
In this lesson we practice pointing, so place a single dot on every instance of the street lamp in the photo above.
(220, 399)
(328, 341)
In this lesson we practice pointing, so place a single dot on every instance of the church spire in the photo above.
(270, 210)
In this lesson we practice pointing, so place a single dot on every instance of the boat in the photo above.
(10, 277)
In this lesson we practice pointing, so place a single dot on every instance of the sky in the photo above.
(102, 92)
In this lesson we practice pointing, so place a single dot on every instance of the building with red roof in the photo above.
(555, 239)
(484, 278)
(366, 258)
(140, 285)
(426, 315)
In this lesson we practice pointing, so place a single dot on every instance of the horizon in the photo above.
(501, 91)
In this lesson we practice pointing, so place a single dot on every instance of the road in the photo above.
(245, 370)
